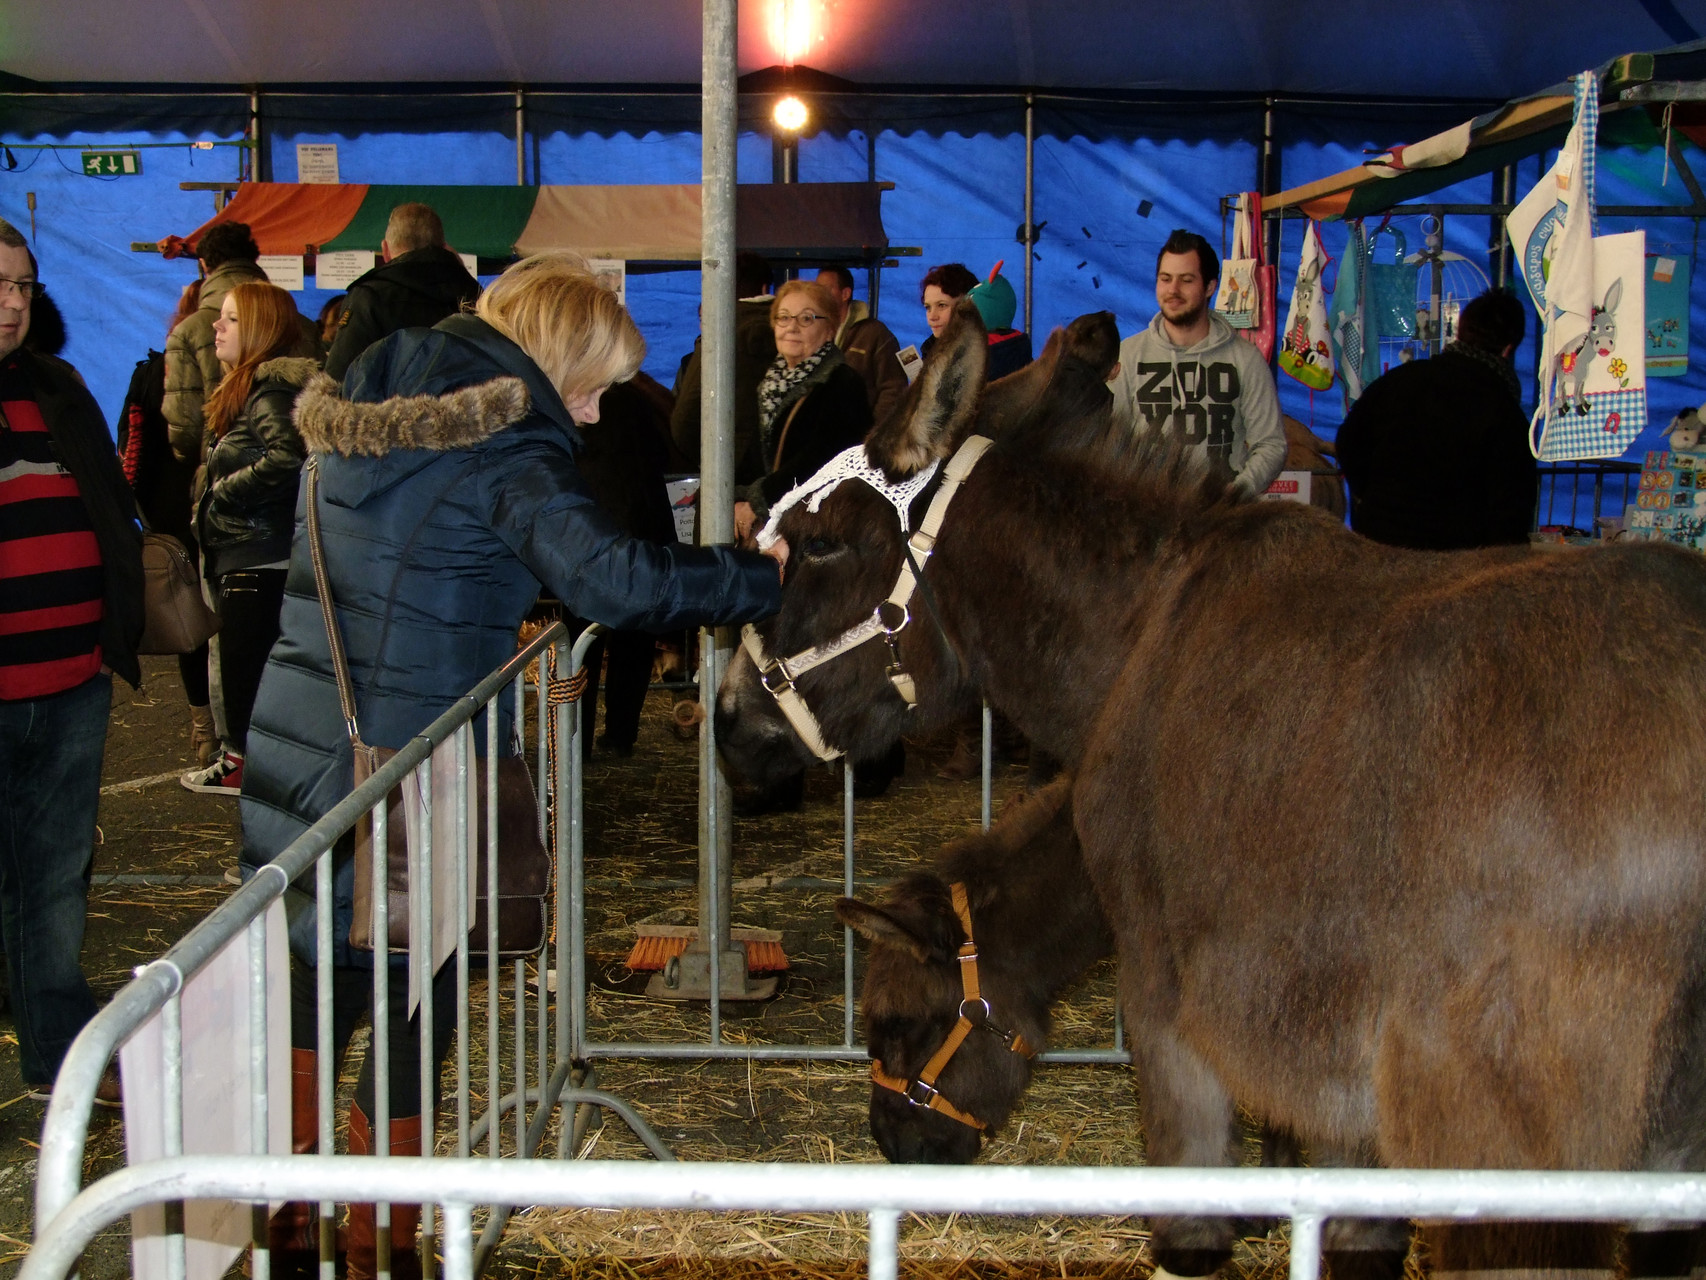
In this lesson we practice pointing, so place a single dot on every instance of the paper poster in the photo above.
(283, 269)
(910, 361)
(1667, 316)
(216, 1102)
(683, 505)
(337, 270)
(317, 162)
(612, 274)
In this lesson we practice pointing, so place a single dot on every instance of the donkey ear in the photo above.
(940, 404)
(1614, 295)
(877, 926)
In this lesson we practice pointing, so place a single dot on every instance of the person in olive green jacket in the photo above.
(228, 258)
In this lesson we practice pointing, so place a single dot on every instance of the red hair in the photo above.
(268, 326)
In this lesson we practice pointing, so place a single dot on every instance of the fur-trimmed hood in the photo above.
(458, 419)
(292, 371)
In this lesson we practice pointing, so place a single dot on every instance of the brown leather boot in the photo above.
(362, 1239)
(293, 1235)
(204, 740)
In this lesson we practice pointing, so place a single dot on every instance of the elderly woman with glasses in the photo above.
(811, 405)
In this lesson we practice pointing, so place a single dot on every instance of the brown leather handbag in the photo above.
(525, 872)
(177, 617)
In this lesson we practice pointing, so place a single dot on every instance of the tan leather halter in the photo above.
(777, 675)
(921, 1091)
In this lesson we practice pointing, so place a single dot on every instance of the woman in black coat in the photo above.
(811, 405)
(246, 509)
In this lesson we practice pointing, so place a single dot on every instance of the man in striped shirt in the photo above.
(70, 616)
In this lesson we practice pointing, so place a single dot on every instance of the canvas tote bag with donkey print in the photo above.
(1306, 353)
(1591, 294)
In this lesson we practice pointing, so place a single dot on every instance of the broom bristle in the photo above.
(657, 944)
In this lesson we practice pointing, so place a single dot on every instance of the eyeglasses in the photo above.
(25, 289)
(805, 320)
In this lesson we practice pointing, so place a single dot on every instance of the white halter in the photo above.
(777, 674)
(849, 464)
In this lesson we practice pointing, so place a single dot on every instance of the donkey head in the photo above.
(911, 1001)
(1038, 925)
(1602, 330)
(844, 559)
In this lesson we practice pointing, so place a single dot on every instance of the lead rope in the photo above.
(558, 694)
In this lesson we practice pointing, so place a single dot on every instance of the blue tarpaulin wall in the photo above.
(1109, 190)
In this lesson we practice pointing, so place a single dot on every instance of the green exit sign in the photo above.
(112, 164)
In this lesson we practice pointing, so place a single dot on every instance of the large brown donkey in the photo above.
(1442, 918)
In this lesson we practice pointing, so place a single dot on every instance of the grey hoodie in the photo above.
(1219, 393)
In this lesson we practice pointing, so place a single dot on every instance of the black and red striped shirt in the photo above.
(51, 583)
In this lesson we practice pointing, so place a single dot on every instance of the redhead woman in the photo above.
(247, 504)
(450, 493)
(811, 404)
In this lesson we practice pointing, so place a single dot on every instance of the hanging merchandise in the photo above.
(1667, 315)
(1391, 288)
(1355, 348)
(1306, 354)
(1237, 301)
(1261, 334)
(1591, 292)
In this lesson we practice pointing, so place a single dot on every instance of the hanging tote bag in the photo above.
(1237, 300)
(525, 874)
(1261, 334)
(1593, 388)
(1356, 350)
(1306, 353)
(1391, 288)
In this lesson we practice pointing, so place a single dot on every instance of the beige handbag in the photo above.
(177, 618)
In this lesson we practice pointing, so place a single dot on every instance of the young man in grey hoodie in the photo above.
(1190, 372)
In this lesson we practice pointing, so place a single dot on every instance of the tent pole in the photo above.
(1030, 195)
(520, 138)
(1496, 230)
(257, 160)
(1267, 175)
(873, 270)
(719, 133)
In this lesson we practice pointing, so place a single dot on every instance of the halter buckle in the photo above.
(776, 690)
(919, 1094)
(905, 617)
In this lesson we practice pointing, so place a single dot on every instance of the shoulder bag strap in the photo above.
(323, 588)
(776, 462)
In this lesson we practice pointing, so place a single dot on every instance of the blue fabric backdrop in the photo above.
(1108, 203)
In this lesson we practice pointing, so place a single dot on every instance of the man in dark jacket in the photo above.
(417, 285)
(867, 344)
(1436, 451)
(70, 616)
(755, 348)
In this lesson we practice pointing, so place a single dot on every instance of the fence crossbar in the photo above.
(1306, 1196)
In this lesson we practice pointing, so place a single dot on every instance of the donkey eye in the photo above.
(816, 548)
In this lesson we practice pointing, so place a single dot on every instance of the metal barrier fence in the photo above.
(237, 930)
(1306, 1197)
(562, 1068)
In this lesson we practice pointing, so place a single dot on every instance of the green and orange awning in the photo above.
(646, 223)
